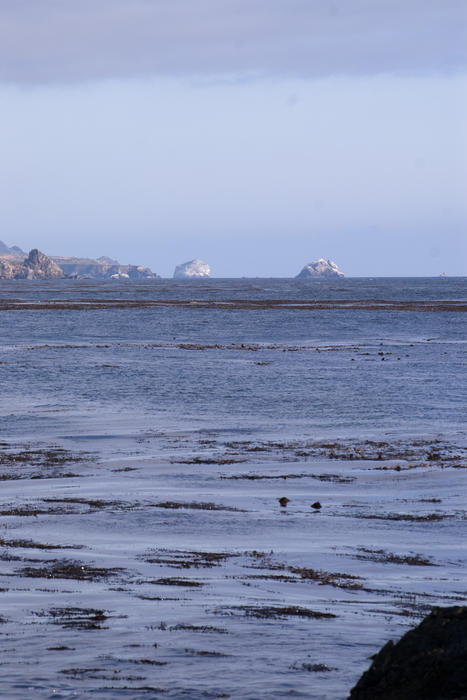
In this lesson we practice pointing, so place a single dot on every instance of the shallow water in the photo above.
(153, 443)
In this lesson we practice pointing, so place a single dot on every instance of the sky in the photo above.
(257, 135)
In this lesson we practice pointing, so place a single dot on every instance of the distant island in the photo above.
(16, 264)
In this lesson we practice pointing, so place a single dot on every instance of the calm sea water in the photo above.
(144, 451)
(311, 373)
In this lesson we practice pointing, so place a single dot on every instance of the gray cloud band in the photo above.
(47, 41)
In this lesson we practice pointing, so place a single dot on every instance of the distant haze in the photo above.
(258, 135)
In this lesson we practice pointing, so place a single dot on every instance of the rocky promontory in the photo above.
(192, 269)
(320, 268)
(15, 264)
(35, 266)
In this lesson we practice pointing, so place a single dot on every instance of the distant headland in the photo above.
(16, 264)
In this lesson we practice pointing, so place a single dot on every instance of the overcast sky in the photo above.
(258, 135)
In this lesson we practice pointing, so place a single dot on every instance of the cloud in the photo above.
(60, 41)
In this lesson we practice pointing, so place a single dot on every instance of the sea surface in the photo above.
(147, 433)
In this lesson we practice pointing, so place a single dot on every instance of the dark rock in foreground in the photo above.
(428, 663)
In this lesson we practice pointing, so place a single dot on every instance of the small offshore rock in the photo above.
(316, 505)
(283, 501)
(192, 269)
(428, 663)
(320, 268)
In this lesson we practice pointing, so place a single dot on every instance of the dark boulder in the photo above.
(428, 663)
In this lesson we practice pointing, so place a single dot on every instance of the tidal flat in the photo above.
(245, 501)
(144, 577)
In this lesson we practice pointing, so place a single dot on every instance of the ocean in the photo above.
(148, 431)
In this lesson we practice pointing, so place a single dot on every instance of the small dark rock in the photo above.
(316, 505)
(428, 663)
(283, 501)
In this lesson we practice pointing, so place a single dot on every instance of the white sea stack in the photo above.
(192, 268)
(320, 268)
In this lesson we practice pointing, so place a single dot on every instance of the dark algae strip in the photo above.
(69, 570)
(236, 304)
(275, 612)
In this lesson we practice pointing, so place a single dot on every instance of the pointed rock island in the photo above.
(192, 269)
(320, 268)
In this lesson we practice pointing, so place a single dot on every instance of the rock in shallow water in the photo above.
(428, 663)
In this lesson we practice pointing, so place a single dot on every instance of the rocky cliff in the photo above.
(39, 266)
(102, 268)
(35, 266)
(192, 269)
(320, 268)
